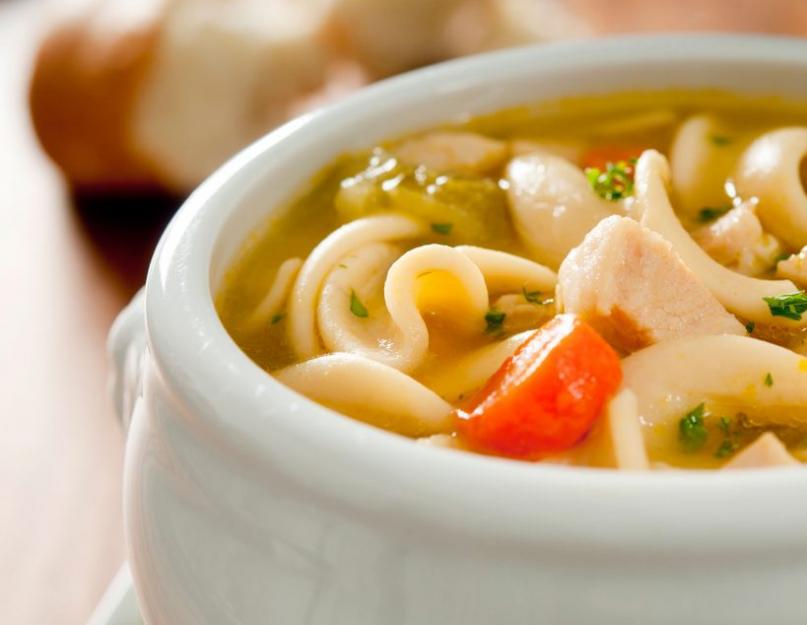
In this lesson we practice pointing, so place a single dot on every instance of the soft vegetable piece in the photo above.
(547, 395)
(465, 207)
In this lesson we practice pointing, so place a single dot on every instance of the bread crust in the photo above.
(82, 96)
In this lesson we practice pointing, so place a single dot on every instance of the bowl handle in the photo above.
(126, 347)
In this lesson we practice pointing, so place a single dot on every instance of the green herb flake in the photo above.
(356, 307)
(277, 318)
(768, 379)
(789, 305)
(781, 257)
(342, 266)
(749, 327)
(494, 320)
(728, 446)
(720, 140)
(692, 431)
(726, 449)
(444, 229)
(533, 297)
(613, 184)
(710, 213)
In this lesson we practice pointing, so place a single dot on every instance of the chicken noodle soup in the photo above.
(613, 281)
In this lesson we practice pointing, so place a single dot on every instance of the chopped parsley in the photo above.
(768, 379)
(749, 327)
(782, 256)
(615, 183)
(356, 307)
(789, 305)
(534, 297)
(342, 266)
(692, 431)
(720, 140)
(442, 228)
(277, 318)
(494, 320)
(726, 448)
(710, 213)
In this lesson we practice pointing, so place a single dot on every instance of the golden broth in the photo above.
(643, 119)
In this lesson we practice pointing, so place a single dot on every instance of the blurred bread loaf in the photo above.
(133, 94)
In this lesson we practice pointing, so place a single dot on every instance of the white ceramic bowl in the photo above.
(246, 503)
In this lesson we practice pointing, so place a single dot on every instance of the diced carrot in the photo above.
(599, 156)
(546, 396)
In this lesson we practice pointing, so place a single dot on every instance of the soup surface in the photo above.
(614, 281)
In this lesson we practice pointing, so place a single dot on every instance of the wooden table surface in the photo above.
(65, 272)
(66, 268)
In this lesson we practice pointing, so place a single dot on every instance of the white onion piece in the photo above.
(302, 302)
(740, 294)
(672, 377)
(770, 171)
(392, 399)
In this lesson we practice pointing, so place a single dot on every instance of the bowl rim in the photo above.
(216, 380)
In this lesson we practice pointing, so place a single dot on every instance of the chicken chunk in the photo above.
(794, 268)
(737, 240)
(766, 451)
(627, 281)
(725, 238)
(462, 152)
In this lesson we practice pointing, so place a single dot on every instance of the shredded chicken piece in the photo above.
(794, 268)
(627, 281)
(725, 238)
(463, 152)
(737, 240)
(766, 451)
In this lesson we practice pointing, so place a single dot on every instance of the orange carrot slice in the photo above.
(546, 396)
(599, 156)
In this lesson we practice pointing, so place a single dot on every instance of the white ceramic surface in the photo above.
(118, 606)
(246, 503)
